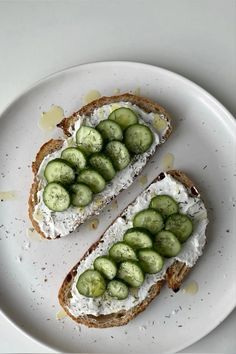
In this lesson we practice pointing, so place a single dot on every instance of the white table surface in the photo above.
(196, 39)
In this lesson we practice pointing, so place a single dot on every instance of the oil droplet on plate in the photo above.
(61, 314)
(116, 91)
(8, 195)
(159, 123)
(168, 161)
(114, 204)
(50, 119)
(137, 91)
(143, 180)
(32, 234)
(91, 96)
(191, 288)
(93, 224)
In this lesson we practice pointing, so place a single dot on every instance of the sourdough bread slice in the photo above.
(68, 125)
(173, 276)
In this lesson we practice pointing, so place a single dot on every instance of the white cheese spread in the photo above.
(79, 305)
(55, 224)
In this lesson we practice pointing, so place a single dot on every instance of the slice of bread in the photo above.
(68, 127)
(174, 275)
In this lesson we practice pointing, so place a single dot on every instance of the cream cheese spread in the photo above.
(79, 305)
(55, 224)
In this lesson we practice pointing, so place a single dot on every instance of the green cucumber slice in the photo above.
(118, 154)
(137, 238)
(81, 195)
(124, 117)
(165, 205)
(59, 170)
(131, 273)
(89, 140)
(56, 197)
(91, 283)
(121, 252)
(138, 138)
(167, 244)
(181, 226)
(103, 165)
(149, 219)
(92, 179)
(75, 157)
(105, 266)
(110, 130)
(118, 289)
(150, 261)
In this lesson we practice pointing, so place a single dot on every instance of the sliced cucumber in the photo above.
(167, 244)
(75, 157)
(103, 165)
(56, 197)
(105, 266)
(59, 170)
(150, 261)
(124, 117)
(110, 130)
(181, 225)
(81, 195)
(137, 238)
(131, 274)
(92, 179)
(89, 140)
(118, 289)
(138, 138)
(118, 154)
(149, 219)
(121, 252)
(165, 205)
(91, 283)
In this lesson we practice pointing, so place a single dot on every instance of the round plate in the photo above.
(31, 270)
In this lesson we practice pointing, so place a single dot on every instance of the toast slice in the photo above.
(44, 222)
(174, 274)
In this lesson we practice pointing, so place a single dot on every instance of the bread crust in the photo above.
(174, 276)
(67, 124)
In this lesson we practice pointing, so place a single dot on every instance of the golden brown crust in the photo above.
(48, 148)
(67, 123)
(174, 277)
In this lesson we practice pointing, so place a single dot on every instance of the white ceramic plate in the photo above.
(31, 270)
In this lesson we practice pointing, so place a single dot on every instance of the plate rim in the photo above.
(230, 120)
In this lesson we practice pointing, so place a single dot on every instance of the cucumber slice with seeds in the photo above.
(181, 226)
(89, 140)
(138, 138)
(81, 195)
(59, 170)
(105, 266)
(121, 252)
(167, 244)
(75, 157)
(149, 219)
(131, 273)
(124, 117)
(118, 154)
(165, 205)
(137, 238)
(110, 130)
(118, 289)
(92, 179)
(150, 261)
(91, 283)
(56, 197)
(103, 165)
